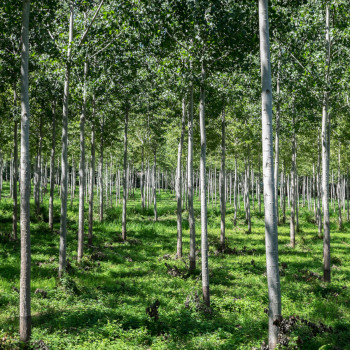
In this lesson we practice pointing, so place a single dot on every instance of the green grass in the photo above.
(101, 303)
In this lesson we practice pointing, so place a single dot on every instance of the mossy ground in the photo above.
(101, 303)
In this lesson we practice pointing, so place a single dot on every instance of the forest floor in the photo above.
(101, 303)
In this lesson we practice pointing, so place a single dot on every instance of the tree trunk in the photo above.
(277, 134)
(24, 297)
(101, 182)
(271, 233)
(179, 183)
(125, 161)
(154, 186)
(222, 182)
(52, 165)
(235, 195)
(247, 201)
(142, 180)
(15, 176)
(293, 194)
(64, 161)
(340, 219)
(82, 178)
(191, 218)
(37, 174)
(204, 229)
(325, 166)
(92, 181)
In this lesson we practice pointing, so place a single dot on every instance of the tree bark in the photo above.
(179, 183)
(277, 135)
(340, 219)
(154, 186)
(235, 194)
(24, 297)
(15, 176)
(92, 179)
(64, 161)
(142, 179)
(271, 233)
(325, 166)
(204, 229)
(37, 174)
(222, 182)
(125, 173)
(101, 173)
(191, 219)
(293, 190)
(52, 165)
(82, 177)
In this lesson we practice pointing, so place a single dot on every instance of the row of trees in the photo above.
(131, 78)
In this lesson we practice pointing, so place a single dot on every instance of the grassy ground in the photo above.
(101, 303)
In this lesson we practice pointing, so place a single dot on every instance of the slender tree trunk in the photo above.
(82, 178)
(319, 190)
(325, 165)
(142, 180)
(101, 184)
(293, 190)
(52, 165)
(72, 182)
(297, 196)
(24, 297)
(340, 219)
(235, 194)
(222, 182)
(179, 182)
(247, 202)
(191, 218)
(125, 161)
(15, 176)
(271, 233)
(64, 161)
(346, 184)
(204, 228)
(259, 189)
(277, 135)
(37, 175)
(154, 186)
(92, 182)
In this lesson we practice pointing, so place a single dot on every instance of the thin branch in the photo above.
(299, 63)
(105, 47)
(183, 46)
(92, 21)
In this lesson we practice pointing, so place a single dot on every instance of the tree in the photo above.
(24, 308)
(271, 234)
(325, 161)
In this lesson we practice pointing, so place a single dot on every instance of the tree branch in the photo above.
(92, 21)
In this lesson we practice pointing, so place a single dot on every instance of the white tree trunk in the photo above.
(52, 166)
(92, 182)
(24, 297)
(64, 160)
(204, 229)
(179, 183)
(82, 178)
(271, 234)
(154, 186)
(222, 182)
(325, 166)
(125, 160)
(191, 219)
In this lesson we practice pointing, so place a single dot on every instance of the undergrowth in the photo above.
(137, 295)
